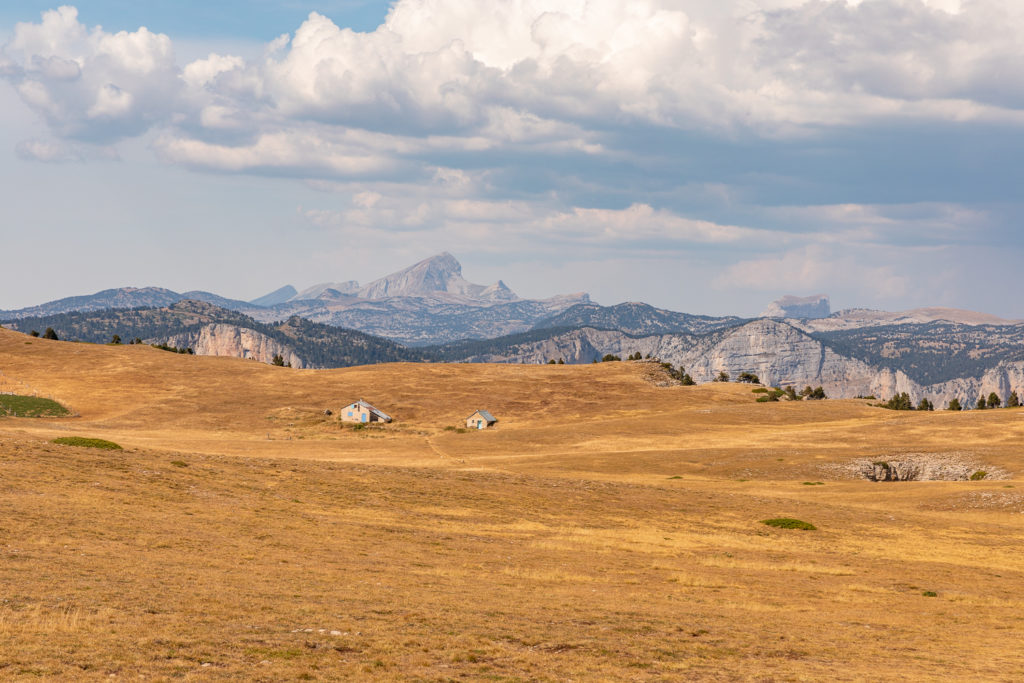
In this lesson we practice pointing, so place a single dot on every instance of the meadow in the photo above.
(609, 527)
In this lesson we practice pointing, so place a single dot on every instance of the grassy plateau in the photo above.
(608, 528)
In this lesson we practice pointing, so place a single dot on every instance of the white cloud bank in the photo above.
(515, 71)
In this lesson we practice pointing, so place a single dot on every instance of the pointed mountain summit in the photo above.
(440, 274)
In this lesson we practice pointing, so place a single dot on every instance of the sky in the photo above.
(706, 156)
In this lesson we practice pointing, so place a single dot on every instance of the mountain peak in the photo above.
(439, 274)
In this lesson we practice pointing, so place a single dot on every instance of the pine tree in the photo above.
(994, 401)
(278, 361)
(954, 404)
(116, 339)
(50, 334)
(1013, 401)
(981, 403)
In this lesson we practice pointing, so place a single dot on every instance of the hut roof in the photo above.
(485, 415)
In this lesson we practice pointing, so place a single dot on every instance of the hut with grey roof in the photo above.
(481, 419)
(361, 411)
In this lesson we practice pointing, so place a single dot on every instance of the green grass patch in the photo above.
(30, 406)
(789, 523)
(930, 594)
(759, 390)
(813, 483)
(83, 442)
(179, 463)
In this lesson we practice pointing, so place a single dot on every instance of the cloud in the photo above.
(91, 85)
(517, 71)
(878, 273)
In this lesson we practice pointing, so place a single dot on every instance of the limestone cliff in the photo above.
(778, 353)
(218, 339)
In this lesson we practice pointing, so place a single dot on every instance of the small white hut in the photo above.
(481, 419)
(361, 411)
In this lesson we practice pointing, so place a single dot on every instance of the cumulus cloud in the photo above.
(89, 84)
(520, 70)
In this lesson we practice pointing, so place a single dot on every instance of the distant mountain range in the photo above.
(427, 303)
(429, 312)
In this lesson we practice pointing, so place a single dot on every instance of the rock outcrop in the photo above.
(810, 307)
(218, 339)
(777, 352)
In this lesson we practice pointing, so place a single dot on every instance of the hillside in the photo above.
(635, 319)
(607, 528)
(214, 331)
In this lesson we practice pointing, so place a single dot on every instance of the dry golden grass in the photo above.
(608, 528)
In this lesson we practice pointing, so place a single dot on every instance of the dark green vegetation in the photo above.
(931, 352)
(30, 406)
(176, 325)
(83, 442)
(174, 349)
(789, 523)
(979, 475)
(902, 401)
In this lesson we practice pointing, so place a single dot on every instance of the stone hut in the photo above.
(481, 419)
(361, 411)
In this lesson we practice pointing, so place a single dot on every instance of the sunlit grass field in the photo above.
(607, 528)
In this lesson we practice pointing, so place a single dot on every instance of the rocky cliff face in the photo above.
(218, 339)
(778, 353)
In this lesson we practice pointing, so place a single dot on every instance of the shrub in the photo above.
(789, 523)
(749, 378)
(30, 406)
(759, 390)
(723, 376)
(173, 349)
(814, 483)
(34, 333)
(116, 339)
(50, 334)
(278, 360)
(83, 442)
(179, 463)
(979, 475)
(609, 358)
(930, 594)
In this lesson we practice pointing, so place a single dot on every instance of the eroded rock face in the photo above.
(238, 342)
(924, 467)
